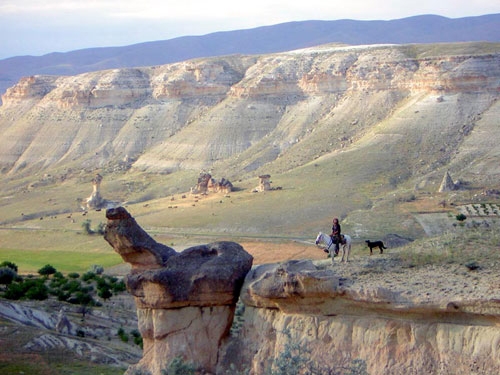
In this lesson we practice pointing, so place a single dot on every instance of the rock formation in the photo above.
(193, 114)
(447, 184)
(337, 322)
(264, 183)
(185, 305)
(221, 186)
(202, 185)
(95, 201)
(208, 184)
(185, 301)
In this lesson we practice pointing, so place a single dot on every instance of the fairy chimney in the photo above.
(264, 182)
(447, 184)
(185, 300)
(95, 201)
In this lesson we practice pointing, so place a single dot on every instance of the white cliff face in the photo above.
(193, 114)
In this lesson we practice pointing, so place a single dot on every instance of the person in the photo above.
(336, 235)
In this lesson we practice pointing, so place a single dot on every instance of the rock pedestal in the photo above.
(95, 201)
(185, 301)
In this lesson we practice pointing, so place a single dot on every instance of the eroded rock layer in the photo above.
(185, 301)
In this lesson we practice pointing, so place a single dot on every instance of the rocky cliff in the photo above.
(323, 317)
(205, 113)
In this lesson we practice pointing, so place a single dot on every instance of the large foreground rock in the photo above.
(185, 301)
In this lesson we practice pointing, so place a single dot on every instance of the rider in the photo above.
(335, 235)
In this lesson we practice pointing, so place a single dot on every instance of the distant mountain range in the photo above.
(268, 39)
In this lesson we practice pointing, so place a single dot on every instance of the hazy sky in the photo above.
(37, 27)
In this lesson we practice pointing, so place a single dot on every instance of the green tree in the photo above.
(104, 293)
(47, 270)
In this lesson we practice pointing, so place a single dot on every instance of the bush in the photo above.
(7, 275)
(14, 291)
(122, 335)
(88, 276)
(86, 227)
(179, 367)
(104, 293)
(10, 265)
(47, 270)
(37, 291)
(461, 217)
(96, 269)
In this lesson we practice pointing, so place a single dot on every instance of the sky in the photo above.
(38, 27)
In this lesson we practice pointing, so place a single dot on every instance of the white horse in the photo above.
(329, 245)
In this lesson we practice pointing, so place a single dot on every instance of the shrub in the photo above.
(88, 276)
(7, 275)
(47, 270)
(86, 226)
(14, 291)
(104, 293)
(37, 291)
(137, 337)
(10, 265)
(73, 275)
(96, 269)
(101, 227)
(461, 217)
(179, 367)
(122, 335)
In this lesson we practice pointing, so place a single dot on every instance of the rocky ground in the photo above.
(430, 284)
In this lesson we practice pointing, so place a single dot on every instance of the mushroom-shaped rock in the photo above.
(185, 301)
(205, 275)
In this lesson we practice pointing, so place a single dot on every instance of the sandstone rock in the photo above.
(185, 300)
(338, 322)
(96, 201)
(291, 286)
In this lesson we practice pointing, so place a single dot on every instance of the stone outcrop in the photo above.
(185, 301)
(206, 184)
(185, 305)
(337, 323)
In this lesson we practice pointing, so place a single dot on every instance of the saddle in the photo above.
(336, 241)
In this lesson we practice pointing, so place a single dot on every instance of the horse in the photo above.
(327, 242)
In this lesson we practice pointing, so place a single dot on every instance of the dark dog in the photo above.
(374, 244)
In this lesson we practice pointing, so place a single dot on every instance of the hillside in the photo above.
(365, 133)
(268, 39)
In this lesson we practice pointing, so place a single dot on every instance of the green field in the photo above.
(30, 261)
